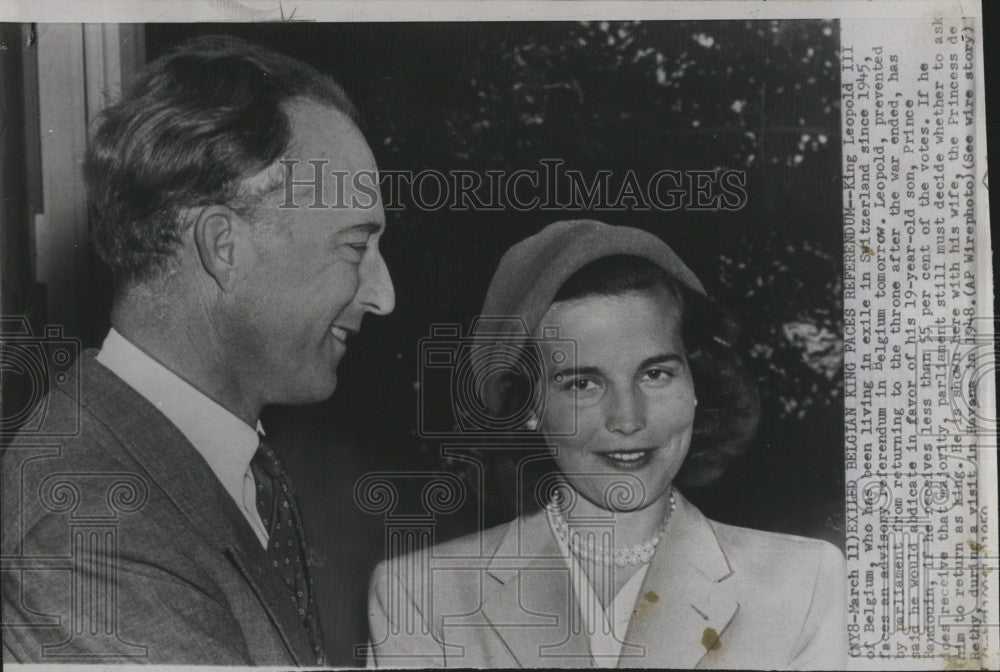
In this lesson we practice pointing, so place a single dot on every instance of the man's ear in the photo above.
(215, 232)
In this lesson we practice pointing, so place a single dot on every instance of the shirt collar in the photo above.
(227, 443)
(605, 626)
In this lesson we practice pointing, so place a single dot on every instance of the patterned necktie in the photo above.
(286, 547)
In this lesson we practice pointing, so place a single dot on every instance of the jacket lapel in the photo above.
(532, 607)
(684, 606)
(179, 470)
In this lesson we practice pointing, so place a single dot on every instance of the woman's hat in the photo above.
(532, 271)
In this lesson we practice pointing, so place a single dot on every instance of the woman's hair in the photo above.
(728, 403)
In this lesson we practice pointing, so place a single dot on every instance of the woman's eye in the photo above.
(360, 247)
(581, 385)
(659, 375)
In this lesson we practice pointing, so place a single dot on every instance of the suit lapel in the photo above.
(684, 606)
(532, 607)
(162, 450)
(179, 470)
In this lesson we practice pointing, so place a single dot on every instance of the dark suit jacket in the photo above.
(121, 545)
(714, 596)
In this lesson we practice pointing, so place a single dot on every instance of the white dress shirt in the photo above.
(605, 627)
(227, 443)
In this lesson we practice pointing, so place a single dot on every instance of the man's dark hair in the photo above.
(189, 130)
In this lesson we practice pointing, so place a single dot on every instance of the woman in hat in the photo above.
(636, 387)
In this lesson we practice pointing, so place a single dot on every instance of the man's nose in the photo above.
(626, 413)
(376, 293)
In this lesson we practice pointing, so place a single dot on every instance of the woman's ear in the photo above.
(531, 424)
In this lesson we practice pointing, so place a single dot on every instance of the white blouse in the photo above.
(605, 627)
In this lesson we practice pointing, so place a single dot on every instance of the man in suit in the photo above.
(165, 530)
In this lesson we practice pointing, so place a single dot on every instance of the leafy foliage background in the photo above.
(758, 96)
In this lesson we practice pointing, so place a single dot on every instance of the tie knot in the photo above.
(267, 460)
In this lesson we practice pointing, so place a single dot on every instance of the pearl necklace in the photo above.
(638, 554)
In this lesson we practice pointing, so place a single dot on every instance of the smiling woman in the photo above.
(616, 567)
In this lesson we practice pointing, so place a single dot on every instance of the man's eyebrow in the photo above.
(369, 228)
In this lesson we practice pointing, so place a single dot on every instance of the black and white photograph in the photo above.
(436, 342)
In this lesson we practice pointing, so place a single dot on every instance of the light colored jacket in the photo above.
(714, 596)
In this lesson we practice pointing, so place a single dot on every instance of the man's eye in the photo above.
(360, 248)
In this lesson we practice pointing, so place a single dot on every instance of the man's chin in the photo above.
(327, 390)
(313, 392)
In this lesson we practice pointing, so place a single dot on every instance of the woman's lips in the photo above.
(628, 460)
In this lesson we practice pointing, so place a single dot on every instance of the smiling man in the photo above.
(228, 297)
